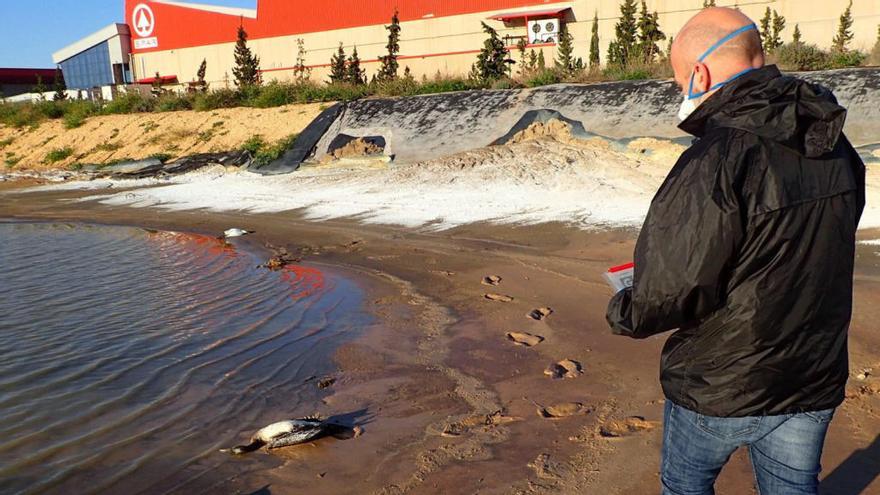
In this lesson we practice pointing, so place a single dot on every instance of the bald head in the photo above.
(699, 34)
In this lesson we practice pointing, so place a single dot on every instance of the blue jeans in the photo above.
(785, 450)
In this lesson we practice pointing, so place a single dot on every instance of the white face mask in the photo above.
(687, 107)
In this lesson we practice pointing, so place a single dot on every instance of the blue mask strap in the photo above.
(711, 49)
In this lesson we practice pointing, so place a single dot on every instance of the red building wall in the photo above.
(176, 27)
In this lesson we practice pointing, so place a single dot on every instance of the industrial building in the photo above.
(172, 38)
(17, 81)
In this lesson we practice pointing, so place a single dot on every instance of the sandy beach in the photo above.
(448, 403)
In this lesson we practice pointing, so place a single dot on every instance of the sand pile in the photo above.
(552, 130)
(356, 148)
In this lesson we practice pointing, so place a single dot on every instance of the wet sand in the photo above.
(448, 403)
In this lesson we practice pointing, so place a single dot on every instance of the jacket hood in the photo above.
(794, 113)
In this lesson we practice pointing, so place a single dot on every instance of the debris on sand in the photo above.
(566, 368)
(326, 382)
(562, 410)
(540, 313)
(524, 339)
(498, 297)
(236, 233)
(491, 280)
(625, 427)
(280, 259)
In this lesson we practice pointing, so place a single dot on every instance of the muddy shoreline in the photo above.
(447, 401)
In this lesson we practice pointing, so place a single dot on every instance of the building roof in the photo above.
(89, 41)
(26, 76)
(217, 9)
(172, 24)
(522, 14)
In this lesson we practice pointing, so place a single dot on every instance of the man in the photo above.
(748, 250)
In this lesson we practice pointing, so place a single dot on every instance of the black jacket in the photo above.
(748, 250)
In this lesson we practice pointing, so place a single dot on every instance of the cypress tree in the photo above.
(337, 65)
(247, 65)
(594, 41)
(565, 61)
(491, 63)
(353, 73)
(796, 37)
(60, 87)
(766, 30)
(844, 30)
(649, 34)
(201, 84)
(388, 71)
(777, 25)
(626, 34)
(541, 63)
(532, 64)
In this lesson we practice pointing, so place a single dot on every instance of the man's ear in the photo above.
(702, 79)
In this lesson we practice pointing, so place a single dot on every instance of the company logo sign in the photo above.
(142, 20)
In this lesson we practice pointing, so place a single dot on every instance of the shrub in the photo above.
(271, 95)
(173, 102)
(254, 144)
(11, 160)
(6, 142)
(58, 154)
(50, 109)
(76, 112)
(801, 56)
(849, 58)
(270, 153)
(130, 103)
(544, 77)
(20, 114)
(445, 85)
(221, 98)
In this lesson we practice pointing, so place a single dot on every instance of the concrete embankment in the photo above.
(422, 128)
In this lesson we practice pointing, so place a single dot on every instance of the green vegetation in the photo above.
(594, 42)
(337, 65)
(633, 54)
(247, 65)
(265, 153)
(844, 31)
(772, 25)
(6, 142)
(58, 154)
(491, 62)
(11, 160)
(388, 71)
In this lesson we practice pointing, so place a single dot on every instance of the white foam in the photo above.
(527, 183)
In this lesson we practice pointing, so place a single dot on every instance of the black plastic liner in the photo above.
(304, 146)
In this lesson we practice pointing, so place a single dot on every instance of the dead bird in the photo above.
(290, 432)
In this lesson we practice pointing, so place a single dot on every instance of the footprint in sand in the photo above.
(562, 410)
(625, 427)
(564, 369)
(498, 297)
(491, 280)
(540, 313)
(524, 339)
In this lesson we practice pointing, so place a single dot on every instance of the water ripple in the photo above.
(131, 356)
